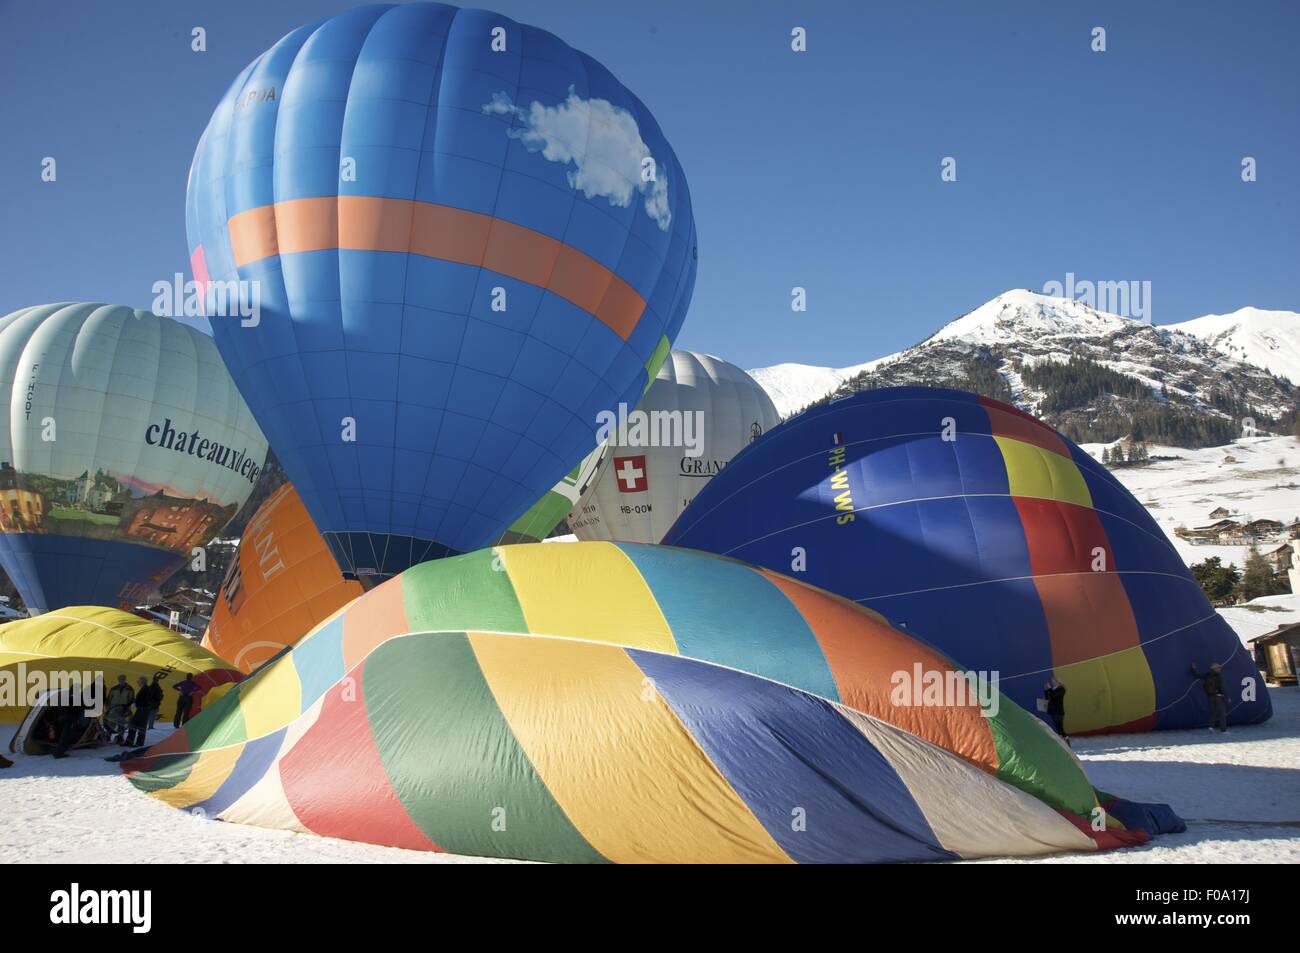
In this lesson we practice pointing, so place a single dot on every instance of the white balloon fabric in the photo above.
(698, 414)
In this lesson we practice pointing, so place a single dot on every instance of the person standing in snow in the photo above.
(156, 693)
(188, 689)
(135, 732)
(1212, 682)
(120, 699)
(153, 701)
(1054, 692)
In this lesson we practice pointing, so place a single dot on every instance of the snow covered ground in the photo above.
(1239, 793)
(1262, 483)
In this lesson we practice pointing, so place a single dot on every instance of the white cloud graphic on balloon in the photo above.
(601, 140)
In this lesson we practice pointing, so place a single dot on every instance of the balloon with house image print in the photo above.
(467, 239)
(124, 448)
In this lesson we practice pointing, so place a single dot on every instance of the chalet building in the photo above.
(1279, 558)
(1224, 533)
(1219, 514)
(1277, 654)
(1262, 529)
(1231, 533)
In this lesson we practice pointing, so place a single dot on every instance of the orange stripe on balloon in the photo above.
(1008, 421)
(864, 652)
(373, 223)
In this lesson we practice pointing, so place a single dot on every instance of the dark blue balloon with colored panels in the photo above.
(983, 531)
(466, 241)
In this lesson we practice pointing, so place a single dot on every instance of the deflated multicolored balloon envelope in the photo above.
(994, 538)
(467, 240)
(631, 703)
(124, 447)
(698, 414)
(282, 583)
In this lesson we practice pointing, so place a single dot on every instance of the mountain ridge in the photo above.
(1092, 374)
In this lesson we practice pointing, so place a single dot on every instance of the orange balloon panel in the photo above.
(282, 583)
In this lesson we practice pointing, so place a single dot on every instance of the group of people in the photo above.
(1211, 682)
(129, 728)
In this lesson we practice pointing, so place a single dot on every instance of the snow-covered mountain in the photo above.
(1268, 339)
(1096, 376)
(795, 386)
(1025, 316)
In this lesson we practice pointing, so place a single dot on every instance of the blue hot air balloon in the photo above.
(468, 240)
(988, 534)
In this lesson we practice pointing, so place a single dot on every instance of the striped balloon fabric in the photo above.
(990, 535)
(618, 702)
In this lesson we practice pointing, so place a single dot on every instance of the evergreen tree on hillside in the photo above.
(1216, 580)
(979, 374)
(1258, 579)
(1079, 382)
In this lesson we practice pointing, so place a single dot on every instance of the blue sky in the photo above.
(820, 169)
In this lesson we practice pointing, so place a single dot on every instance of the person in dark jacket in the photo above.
(154, 699)
(144, 704)
(188, 689)
(1054, 692)
(156, 693)
(1212, 682)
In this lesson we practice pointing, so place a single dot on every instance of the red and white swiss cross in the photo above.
(630, 473)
